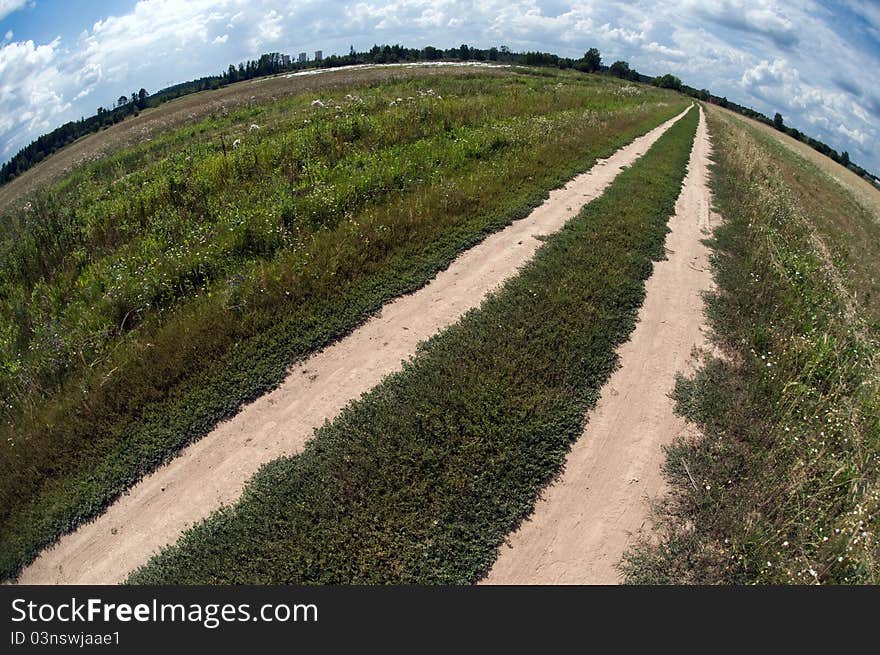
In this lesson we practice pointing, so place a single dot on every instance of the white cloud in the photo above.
(653, 46)
(764, 19)
(234, 19)
(767, 74)
(855, 135)
(869, 11)
(622, 34)
(32, 98)
(121, 43)
(8, 6)
(219, 40)
(269, 29)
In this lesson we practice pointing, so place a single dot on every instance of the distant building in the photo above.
(285, 60)
(303, 57)
(319, 55)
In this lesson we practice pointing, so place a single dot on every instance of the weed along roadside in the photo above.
(783, 486)
(222, 266)
(421, 479)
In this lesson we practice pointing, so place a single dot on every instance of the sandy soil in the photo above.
(585, 520)
(212, 471)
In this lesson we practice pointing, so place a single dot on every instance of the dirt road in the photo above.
(212, 471)
(585, 519)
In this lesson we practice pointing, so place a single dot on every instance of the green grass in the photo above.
(420, 480)
(784, 486)
(148, 296)
(849, 230)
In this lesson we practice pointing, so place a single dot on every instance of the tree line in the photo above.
(275, 62)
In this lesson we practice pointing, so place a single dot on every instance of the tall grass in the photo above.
(420, 480)
(784, 485)
(148, 296)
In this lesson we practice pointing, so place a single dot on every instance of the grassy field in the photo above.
(785, 485)
(191, 109)
(856, 187)
(150, 293)
(420, 480)
(843, 209)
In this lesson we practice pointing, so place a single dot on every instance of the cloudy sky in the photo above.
(815, 61)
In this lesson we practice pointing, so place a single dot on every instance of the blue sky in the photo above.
(815, 61)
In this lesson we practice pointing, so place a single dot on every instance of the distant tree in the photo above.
(620, 69)
(142, 98)
(844, 158)
(705, 95)
(668, 82)
(591, 61)
(540, 59)
(432, 54)
(777, 121)
(122, 101)
(464, 52)
(493, 54)
(232, 73)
